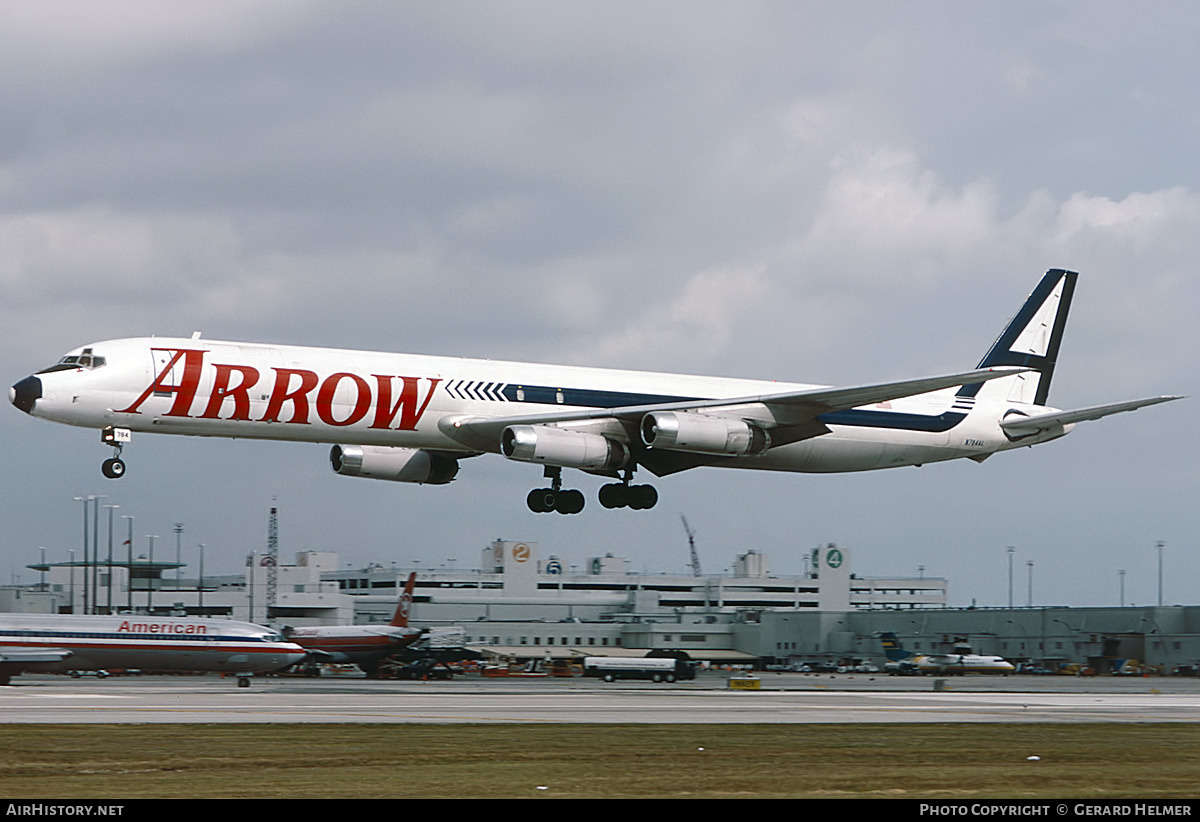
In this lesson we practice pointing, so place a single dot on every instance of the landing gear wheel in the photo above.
(554, 498)
(623, 495)
(614, 495)
(541, 500)
(113, 468)
(568, 502)
(642, 497)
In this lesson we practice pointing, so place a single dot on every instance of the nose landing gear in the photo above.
(114, 467)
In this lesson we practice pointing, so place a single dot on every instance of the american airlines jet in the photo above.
(58, 642)
(411, 418)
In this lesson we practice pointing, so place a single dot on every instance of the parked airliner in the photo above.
(63, 642)
(410, 418)
(366, 646)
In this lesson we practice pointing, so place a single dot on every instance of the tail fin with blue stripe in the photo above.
(1031, 340)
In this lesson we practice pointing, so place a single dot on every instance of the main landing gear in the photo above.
(114, 467)
(554, 498)
(623, 495)
(613, 495)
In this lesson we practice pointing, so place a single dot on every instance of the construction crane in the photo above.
(691, 535)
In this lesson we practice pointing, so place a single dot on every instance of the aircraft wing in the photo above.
(940, 659)
(1056, 419)
(11, 654)
(396, 634)
(790, 409)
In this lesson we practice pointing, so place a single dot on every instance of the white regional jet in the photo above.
(410, 418)
(62, 642)
(962, 661)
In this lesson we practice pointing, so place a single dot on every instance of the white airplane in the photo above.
(962, 661)
(363, 645)
(411, 418)
(62, 642)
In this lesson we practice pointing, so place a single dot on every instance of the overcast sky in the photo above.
(833, 193)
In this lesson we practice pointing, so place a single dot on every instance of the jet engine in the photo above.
(562, 447)
(703, 434)
(395, 464)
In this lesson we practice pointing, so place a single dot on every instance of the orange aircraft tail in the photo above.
(404, 606)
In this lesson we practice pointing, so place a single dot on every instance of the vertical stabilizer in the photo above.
(892, 648)
(404, 606)
(1031, 340)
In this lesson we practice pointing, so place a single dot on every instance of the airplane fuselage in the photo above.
(964, 664)
(226, 389)
(411, 418)
(146, 642)
(352, 644)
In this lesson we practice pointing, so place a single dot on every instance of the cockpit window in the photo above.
(85, 359)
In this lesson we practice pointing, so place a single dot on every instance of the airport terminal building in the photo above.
(519, 606)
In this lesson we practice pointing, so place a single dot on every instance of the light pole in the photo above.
(1024, 634)
(95, 498)
(178, 552)
(1159, 545)
(129, 566)
(1070, 634)
(201, 585)
(1010, 550)
(110, 508)
(1029, 564)
(1121, 576)
(84, 500)
(150, 578)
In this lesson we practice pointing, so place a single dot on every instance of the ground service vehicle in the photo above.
(657, 669)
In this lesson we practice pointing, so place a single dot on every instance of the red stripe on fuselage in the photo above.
(348, 644)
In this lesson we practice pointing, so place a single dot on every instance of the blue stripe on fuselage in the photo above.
(584, 397)
(857, 417)
(894, 420)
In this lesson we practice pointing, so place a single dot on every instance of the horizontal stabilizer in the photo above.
(1057, 419)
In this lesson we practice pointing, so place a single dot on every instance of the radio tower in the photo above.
(272, 559)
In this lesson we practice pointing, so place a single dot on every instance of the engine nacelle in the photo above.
(395, 464)
(703, 434)
(562, 447)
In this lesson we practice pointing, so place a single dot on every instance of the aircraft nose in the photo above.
(25, 393)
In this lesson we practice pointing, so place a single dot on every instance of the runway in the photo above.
(49, 699)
